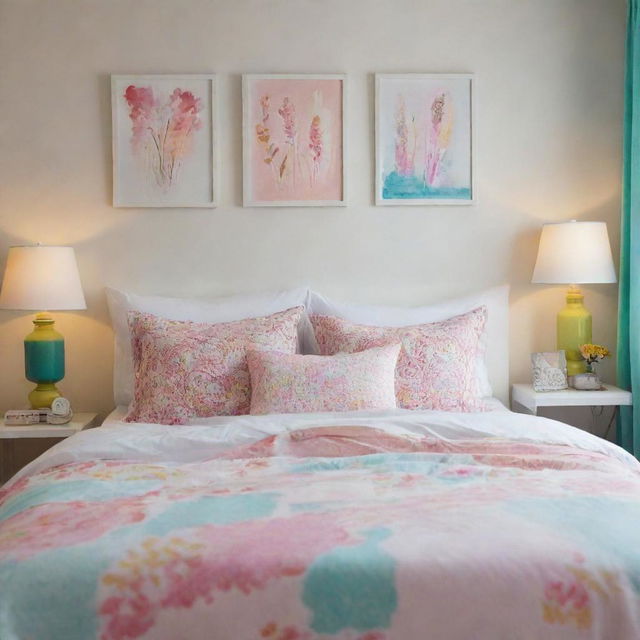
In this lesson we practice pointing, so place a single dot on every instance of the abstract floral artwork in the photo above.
(293, 138)
(424, 139)
(163, 141)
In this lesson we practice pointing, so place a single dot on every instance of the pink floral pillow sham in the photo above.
(190, 369)
(437, 364)
(285, 383)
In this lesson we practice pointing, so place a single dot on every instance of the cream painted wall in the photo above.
(549, 77)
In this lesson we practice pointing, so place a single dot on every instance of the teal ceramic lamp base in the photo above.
(42, 277)
(44, 361)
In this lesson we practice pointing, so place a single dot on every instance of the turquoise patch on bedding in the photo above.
(53, 594)
(609, 526)
(418, 463)
(352, 587)
(75, 490)
(218, 510)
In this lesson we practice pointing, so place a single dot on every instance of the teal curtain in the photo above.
(629, 299)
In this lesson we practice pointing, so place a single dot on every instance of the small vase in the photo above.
(585, 382)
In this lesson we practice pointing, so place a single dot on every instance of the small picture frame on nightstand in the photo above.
(549, 369)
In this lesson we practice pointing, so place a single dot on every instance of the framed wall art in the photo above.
(294, 140)
(424, 139)
(164, 140)
(549, 370)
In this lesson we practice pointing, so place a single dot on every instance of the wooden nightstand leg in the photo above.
(613, 417)
(523, 409)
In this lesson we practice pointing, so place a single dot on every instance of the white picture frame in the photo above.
(180, 168)
(250, 145)
(549, 371)
(410, 184)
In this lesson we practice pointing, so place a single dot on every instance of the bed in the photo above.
(362, 525)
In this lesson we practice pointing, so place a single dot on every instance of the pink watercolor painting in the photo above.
(424, 139)
(293, 140)
(163, 140)
(162, 132)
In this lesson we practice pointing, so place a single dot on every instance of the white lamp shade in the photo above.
(41, 278)
(574, 253)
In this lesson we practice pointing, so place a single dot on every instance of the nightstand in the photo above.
(526, 398)
(48, 434)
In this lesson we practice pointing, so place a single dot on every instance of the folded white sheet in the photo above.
(206, 437)
(116, 417)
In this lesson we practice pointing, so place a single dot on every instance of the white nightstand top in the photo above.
(524, 395)
(79, 422)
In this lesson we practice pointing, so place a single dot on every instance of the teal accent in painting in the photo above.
(61, 491)
(397, 187)
(628, 360)
(610, 526)
(352, 587)
(218, 510)
(44, 360)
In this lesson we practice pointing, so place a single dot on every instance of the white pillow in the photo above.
(217, 310)
(494, 344)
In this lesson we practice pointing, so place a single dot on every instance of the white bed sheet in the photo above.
(208, 437)
(116, 417)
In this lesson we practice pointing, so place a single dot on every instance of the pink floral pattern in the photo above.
(163, 132)
(436, 366)
(305, 535)
(285, 383)
(40, 528)
(570, 598)
(189, 369)
(180, 572)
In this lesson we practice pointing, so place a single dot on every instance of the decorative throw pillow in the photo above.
(215, 310)
(285, 383)
(190, 369)
(437, 364)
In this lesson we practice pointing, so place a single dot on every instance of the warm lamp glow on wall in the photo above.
(574, 253)
(39, 278)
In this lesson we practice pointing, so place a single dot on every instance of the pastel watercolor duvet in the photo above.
(376, 526)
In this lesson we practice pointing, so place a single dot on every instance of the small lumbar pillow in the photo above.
(437, 364)
(285, 383)
(190, 369)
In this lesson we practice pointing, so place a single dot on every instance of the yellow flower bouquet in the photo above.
(593, 353)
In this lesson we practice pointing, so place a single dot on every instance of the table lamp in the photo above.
(38, 278)
(574, 253)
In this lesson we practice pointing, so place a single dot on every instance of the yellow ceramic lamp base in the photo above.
(574, 329)
(43, 396)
